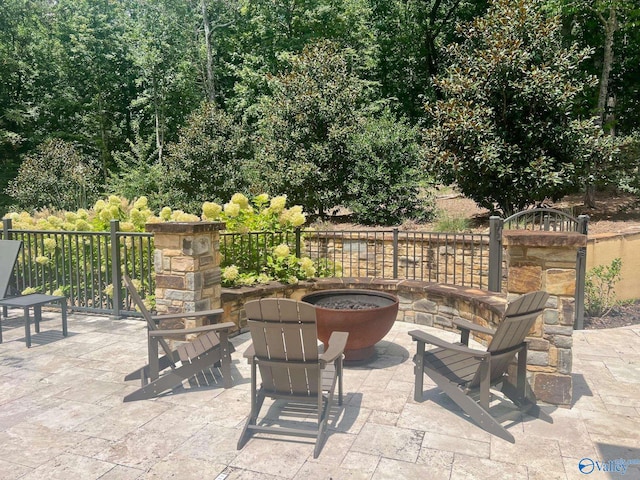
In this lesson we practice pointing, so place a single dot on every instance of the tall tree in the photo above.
(91, 98)
(216, 18)
(269, 32)
(411, 36)
(162, 37)
(25, 47)
(607, 26)
(305, 127)
(504, 132)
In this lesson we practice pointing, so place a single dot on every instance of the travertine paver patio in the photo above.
(62, 416)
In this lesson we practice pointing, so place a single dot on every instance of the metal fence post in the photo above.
(298, 242)
(6, 226)
(581, 273)
(395, 253)
(495, 253)
(116, 272)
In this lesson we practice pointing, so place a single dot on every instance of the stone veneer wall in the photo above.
(547, 261)
(187, 268)
(422, 303)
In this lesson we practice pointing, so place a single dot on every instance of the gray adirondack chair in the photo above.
(285, 350)
(210, 349)
(463, 373)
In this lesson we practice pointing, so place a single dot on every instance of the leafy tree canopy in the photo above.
(207, 162)
(504, 130)
(57, 176)
(305, 128)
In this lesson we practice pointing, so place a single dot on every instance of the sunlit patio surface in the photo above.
(62, 416)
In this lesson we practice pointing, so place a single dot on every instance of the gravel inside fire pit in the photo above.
(345, 304)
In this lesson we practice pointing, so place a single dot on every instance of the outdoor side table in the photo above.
(35, 300)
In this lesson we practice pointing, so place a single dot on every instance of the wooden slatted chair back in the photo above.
(285, 343)
(519, 318)
(9, 250)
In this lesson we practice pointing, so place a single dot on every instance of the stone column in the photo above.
(538, 260)
(187, 267)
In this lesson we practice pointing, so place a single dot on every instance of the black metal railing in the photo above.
(84, 266)
(460, 258)
(87, 266)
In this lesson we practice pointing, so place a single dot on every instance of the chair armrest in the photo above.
(463, 324)
(249, 353)
(424, 337)
(337, 344)
(187, 331)
(203, 313)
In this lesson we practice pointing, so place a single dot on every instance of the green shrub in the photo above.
(600, 282)
(257, 252)
(453, 224)
(58, 175)
(386, 186)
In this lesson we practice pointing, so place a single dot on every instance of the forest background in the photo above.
(359, 103)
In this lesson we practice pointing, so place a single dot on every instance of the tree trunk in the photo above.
(610, 26)
(210, 86)
(159, 134)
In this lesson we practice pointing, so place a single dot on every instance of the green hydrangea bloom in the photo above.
(241, 200)
(278, 203)
(231, 209)
(211, 210)
(281, 251)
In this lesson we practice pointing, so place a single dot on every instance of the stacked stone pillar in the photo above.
(187, 267)
(547, 261)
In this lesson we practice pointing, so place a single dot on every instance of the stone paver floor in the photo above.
(62, 416)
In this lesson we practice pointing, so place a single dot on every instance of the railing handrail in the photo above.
(541, 211)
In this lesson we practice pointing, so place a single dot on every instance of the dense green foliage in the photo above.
(207, 161)
(57, 175)
(306, 127)
(504, 131)
(125, 83)
(258, 245)
(386, 185)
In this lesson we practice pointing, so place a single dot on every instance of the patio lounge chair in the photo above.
(210, 349)
(285, 349)
(463, 373)
(9, 250)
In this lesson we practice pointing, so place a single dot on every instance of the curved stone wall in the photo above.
(422, 303)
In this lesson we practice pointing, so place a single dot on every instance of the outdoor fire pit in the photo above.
(367, 315)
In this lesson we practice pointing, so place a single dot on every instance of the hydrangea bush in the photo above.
(266, 258)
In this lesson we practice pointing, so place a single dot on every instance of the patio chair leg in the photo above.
(419, 372)
(27, 327)
(478, 414)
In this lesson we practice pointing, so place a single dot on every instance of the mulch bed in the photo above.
(619, 316)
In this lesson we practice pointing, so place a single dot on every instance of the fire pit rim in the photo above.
(351, 291)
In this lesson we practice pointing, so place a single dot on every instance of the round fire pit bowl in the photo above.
(367, 315)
